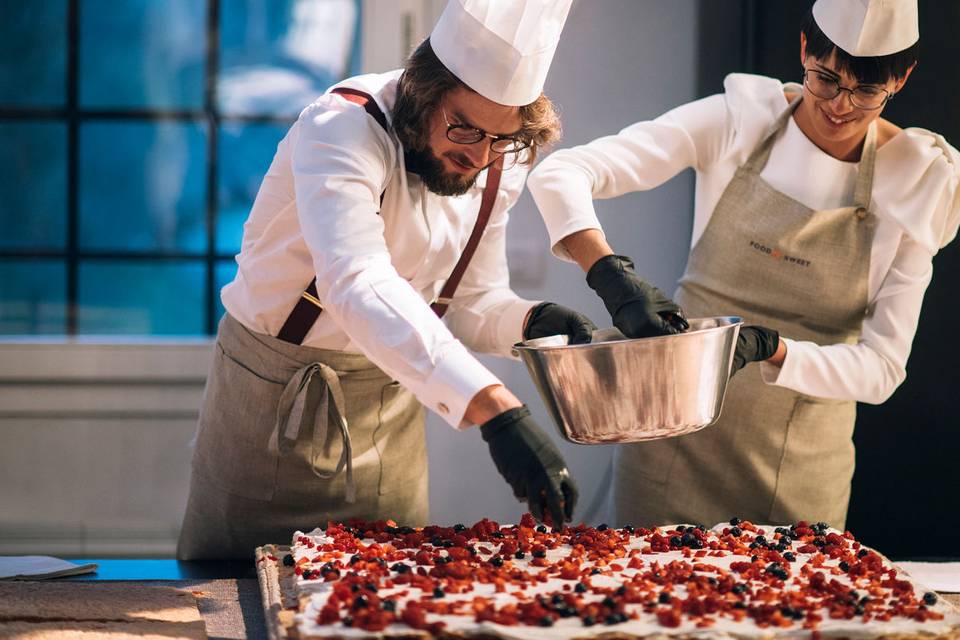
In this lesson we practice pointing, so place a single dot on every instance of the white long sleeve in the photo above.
(377, 264)
(916, 200)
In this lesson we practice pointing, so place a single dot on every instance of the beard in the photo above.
(435, 178)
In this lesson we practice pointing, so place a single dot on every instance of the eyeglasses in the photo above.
(462, 134)
(864, 96)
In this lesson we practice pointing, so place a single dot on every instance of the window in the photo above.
(136, 134)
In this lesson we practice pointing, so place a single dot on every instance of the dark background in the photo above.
(906, 495)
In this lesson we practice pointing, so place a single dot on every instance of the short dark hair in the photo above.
(866, 69)
(422, 86)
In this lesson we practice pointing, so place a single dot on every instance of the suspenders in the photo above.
(308, 306)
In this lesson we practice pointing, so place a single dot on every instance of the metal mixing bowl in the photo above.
(621, 390)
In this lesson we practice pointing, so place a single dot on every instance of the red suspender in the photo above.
(308, 306)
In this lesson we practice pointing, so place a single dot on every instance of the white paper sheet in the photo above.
(939, 576)
(40, 567)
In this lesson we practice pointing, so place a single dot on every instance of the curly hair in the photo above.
(424, 83)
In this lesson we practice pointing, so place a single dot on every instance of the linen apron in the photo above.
(291, 437)
(775, 455)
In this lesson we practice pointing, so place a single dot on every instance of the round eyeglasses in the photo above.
(462, 134)
(827, 87)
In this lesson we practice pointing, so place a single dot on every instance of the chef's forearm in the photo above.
(489, 403)
(586, 247)
(778, 357)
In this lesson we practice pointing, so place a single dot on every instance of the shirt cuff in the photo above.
(456, 379)
(779, 376)
(510, 327)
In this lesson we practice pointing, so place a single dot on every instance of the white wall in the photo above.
(619, 61)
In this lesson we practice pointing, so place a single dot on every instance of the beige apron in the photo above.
(291, 437)
(774, 456)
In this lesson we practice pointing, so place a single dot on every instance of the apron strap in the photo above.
(758, 157)
(868, 157)
(299, 394)
(864, 186)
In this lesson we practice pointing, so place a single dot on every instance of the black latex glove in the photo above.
(637, 307)
(531, 465)
(550, 319)
(754, 344)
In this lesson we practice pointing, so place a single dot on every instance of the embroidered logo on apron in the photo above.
(777, 254)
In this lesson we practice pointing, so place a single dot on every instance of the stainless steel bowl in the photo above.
(621, 390)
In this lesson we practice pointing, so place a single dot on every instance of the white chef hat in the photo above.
(501, 49)
(868, 27)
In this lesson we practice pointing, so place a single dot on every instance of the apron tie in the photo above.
(299, 394)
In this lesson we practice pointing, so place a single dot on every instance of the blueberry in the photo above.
(391, 530)
(459, 527)
(819, 542)
(406, 530)
(354, 588)
(609, 602)
(754, 558)
(389, 605)
(438, 592)
(518, 555)
(496, 534)
(689, 540)
(844, 566)
(370, 587)
(862, 553)
(436, 541)
(675, 541)
(930, 598)
(739, 588)
(496, 561)
(360, 602)
(588, 621)
(566, 611)
(700, 527)
(539, 553)
(580, 587)
(735, 522)
(736, 532)
(664, 598)
(602, 527)
(556, 599)
(546, 621)
(595, 571)
(400, 568)
(541, 529)
(355, 558)
(306, 574)
(621, 591)
(760, 540)
(347, 621)
(288, 560)
(615, 618)
(789, 557)
(629, 529)
(739, 605)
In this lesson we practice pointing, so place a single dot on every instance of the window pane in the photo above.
(33, 295)
(277, 56)
(143, 186)
(225, 272)
(34, 34)
(245, 153)
(33, 178)
(141, 297)
(142, 53)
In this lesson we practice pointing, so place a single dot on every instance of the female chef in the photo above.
(385, 206)
(815, 218)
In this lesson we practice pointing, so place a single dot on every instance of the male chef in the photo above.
(384, 210)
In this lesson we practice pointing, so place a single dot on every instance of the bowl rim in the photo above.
(732, 321)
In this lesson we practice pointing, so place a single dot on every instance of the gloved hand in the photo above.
(637, 307)
(531, 465)
(550, 319)
(754, 344)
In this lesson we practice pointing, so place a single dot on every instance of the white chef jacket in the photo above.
(915, 198)
(316, 215)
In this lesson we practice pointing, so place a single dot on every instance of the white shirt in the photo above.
(316, 215)
(915, 198)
